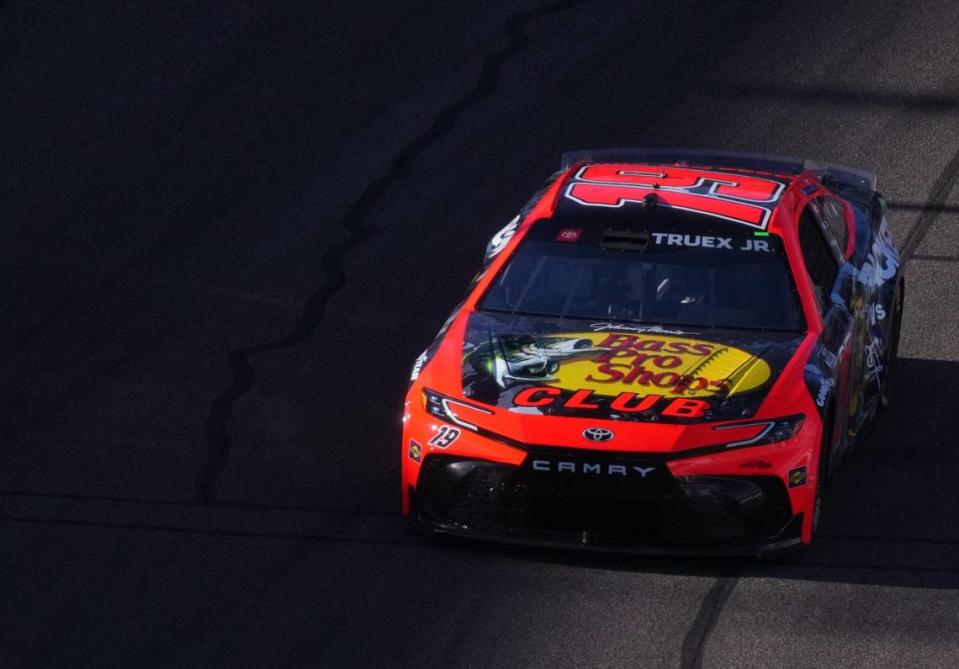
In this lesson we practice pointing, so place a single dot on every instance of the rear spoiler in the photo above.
(829, 174)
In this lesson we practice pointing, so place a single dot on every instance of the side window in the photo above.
(819, 257)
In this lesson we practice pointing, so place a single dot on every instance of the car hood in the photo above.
(531, 368)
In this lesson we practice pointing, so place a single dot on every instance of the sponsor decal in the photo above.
(569, 235)
(418, 366)
(881, 265)
(501, 239)
(756, 464)
(445, 436)
(613, 363)
(710, 242)
(625, 327)
(829, 359)
(635, 372)
(876, 313)
(824, 387)
(874, 359)
(415, 451)
(628, 373)
(626, 403)
(740, 198)
(796, 477)
(882, 262)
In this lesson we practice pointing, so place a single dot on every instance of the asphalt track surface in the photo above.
(226, 231)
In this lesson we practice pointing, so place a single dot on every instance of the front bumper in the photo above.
(664, 514)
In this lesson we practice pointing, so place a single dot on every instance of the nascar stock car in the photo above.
(665, 351)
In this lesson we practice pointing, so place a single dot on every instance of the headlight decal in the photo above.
(444, 407)
(773, 431)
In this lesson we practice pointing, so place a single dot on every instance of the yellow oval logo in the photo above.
(609, 363)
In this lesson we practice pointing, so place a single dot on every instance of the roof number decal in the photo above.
(740, 198)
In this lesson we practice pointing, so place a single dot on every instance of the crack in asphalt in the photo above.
(354, 222)
(694, 644)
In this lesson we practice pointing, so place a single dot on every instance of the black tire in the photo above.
(892, 351)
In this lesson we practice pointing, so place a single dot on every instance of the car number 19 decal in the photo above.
(739, 198)
(445, 436)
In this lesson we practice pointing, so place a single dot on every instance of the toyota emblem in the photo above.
(597, 434)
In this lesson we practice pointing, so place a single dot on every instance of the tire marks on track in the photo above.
(355, 223)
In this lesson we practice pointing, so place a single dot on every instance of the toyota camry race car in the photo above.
(665, 351)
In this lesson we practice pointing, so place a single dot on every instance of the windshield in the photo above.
(738, 280)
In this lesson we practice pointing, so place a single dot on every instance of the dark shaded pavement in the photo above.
(227, 232)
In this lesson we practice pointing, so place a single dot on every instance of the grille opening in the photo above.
(501, 499)
(611, 518)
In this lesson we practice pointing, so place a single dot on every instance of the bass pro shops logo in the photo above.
(635, 370)
(610, 372)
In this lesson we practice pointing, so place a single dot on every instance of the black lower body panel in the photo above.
(655, 514)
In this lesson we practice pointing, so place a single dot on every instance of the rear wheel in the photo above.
(892, 351)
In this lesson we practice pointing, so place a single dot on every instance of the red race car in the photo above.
(666, 351)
